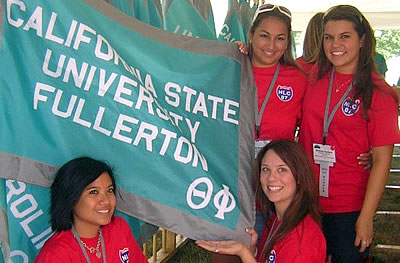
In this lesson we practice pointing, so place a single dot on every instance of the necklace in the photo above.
(271, 233)
(84, 246)
(337, 89)
(92, 249)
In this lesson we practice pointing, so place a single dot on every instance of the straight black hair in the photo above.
(70, 182)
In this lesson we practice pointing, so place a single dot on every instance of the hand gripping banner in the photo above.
(172, 114)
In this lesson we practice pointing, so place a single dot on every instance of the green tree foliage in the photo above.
(388, 43)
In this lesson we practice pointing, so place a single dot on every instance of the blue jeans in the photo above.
(339, 231)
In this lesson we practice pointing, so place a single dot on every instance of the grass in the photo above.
(190, 252)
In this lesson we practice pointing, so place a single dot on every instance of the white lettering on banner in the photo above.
(221, 199)
(222, 205)
(35, 22)
(25, 207)
(104, 51)
(193, 192)
(172, 97)
(123, 127)
(185, 32)
(18, 254)
(125, 85)
(227, 35)
(15, 22)
(135, 91)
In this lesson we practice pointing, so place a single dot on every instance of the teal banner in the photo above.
(182, 17)
(237, 22)
(233, 28)
(149, 12)
(126, 6)
(173, 115)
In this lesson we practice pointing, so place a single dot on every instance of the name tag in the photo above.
(324, 153)
(325, 156)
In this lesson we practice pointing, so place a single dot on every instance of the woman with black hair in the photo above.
(82, 215)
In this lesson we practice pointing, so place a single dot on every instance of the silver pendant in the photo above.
(98, 254)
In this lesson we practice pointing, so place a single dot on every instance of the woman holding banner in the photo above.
(288, 194)
(280, 83)
(348, 108)
(82, 216)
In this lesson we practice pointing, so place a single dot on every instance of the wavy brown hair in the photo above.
(305, 201)
(363, 81)
(313, 38)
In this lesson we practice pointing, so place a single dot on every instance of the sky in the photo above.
(220, 8)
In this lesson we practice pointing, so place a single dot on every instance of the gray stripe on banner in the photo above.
(26, 170)
(192, 44)
(4, 240)
(183, 223)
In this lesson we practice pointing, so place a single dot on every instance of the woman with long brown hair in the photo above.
(288, 197)
(348, 109)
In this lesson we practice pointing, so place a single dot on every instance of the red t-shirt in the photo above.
(305, 243)
(304, 65)
(283, 109)
(350, 134)
(118, 239)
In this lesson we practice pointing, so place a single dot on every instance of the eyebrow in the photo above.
(91, 187)
(279, 165)
(347, 32)
(270, 33)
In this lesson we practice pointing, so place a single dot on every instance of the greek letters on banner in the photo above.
(172, 114)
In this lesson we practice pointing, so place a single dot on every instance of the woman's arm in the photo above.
(381, 159)
(232, 247)
(229, 247)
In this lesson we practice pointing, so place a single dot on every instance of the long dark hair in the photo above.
(305, 200)
(70, 181)
(363, 81)
(287, 58)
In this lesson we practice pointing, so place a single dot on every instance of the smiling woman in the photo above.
(358, 112)
(288, 197)
(82, 216)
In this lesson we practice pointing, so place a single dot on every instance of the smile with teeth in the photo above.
(268, 53)
(104, 211)
(273, 188)
(338, 53)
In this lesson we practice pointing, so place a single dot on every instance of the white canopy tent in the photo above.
(382, 14)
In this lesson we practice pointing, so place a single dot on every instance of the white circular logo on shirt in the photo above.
(349, 107)
(272, 257)
(124, 255)
(284, 93)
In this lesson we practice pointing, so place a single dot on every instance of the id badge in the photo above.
(324, 153)
(325, 156)
(258, 146)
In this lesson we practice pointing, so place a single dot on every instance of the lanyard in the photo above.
(260, 113)
(103, 250)
(271, 233)
(328, 119)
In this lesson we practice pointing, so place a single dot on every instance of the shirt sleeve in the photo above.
(59, 253)
(136, 254)
(383, 127)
